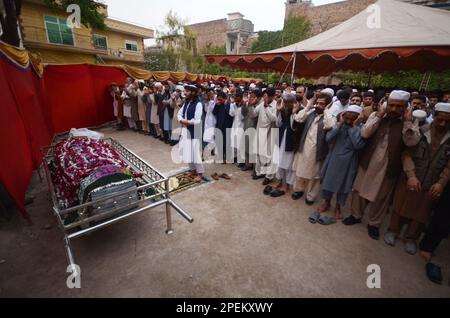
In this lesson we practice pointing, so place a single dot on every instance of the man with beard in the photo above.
(390, 131)
(426, 173)
(224, 122)
(190, 118)
(267, 116)
(313, 148)
(340, 167)
(368, 105)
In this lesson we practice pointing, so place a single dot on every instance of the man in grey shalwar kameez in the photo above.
(341, 165)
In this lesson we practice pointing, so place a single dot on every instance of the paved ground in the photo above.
(242, 244)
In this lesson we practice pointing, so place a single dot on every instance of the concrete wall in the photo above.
(327, 16)
(210, 34)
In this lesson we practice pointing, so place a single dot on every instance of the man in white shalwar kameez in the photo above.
(237, 130)
(190, 118)
(267, 116)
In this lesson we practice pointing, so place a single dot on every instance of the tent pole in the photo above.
(428, 80)
(285, 71)
(369, 81)
(293, 67)
(423, 81)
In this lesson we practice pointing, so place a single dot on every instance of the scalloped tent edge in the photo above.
(403, 42)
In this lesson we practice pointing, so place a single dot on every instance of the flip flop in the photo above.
(225, 176)
(215, 176)
(277, 193)
(268, 190)
(434, 273)
(325, 220)
(313, 218)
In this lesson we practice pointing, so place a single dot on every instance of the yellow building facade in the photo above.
(45, 32)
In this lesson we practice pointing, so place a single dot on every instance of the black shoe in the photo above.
(266, 182)
(267, 190)
(241, 166)
(309, 202)
(373, 232)
(351, 220)
(277, 193)
(297, 195)
(256, 177)
(434, 273)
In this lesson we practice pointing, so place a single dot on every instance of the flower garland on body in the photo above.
(75, 160)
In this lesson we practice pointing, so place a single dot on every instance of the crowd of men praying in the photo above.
(377, 152)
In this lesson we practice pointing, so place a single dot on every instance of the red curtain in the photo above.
(17, 147)
(33, 109)
(78, 95)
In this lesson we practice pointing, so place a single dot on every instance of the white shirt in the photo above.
(338, 108)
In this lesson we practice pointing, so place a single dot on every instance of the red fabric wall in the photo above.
(78, 95)
(17, 149)
(33, 109)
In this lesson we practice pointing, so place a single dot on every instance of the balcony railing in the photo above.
(240, 25)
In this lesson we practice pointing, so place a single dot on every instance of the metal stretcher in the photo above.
(153, 191)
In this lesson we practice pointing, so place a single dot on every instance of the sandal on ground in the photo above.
(215, 176)
(225, 176)
(313, 218)
(390, 238)
(325, 220)
(411, 247)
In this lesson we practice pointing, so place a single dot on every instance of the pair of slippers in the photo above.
(322, 220)
(217, 176)
(268, 190)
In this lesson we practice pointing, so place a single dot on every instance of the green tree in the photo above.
(296, 29)
(403, 79)
(267, 40)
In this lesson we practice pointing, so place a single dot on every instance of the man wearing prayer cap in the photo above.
(287, 107)
(328, 91)
(389, 131)
(177, 101)
(426, 173)
(267, 116)
(190, 118)
(341, 164)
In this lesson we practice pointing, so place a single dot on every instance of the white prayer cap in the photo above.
(371, 91)
(145, 88)
(420, 115)
(328, 91)
(141, 81)
(400, 95)
(158, 84)
(179, 88)
(355, 90)
(442, 107)
(355, 109)
(252, 85)
(289, 98)
(213, 85)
